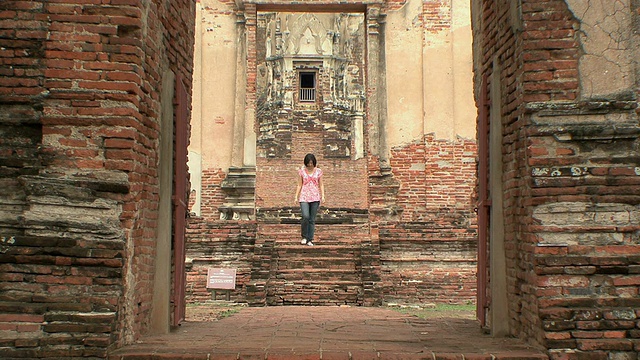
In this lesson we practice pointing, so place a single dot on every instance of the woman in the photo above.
(309, 194)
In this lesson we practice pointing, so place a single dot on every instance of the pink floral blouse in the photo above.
(310, 191)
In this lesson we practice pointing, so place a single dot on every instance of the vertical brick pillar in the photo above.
(251, 125)
(377, 159)
(81, 104)
(570, 171)
(374, 77)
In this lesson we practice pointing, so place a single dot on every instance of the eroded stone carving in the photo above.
(329, 46)
(239, 188)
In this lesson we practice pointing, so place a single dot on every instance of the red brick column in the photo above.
(83, 92)
(570, 185)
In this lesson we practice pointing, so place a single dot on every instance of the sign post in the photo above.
(221, 279)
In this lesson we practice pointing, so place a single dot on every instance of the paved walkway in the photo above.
(305, 332)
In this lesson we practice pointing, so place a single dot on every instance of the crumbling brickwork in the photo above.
(212, 196)
(570, 177)
(80, 107)
(430, 254)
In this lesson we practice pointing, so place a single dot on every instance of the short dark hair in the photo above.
(310, 158)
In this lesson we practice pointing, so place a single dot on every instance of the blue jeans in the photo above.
(309, 212)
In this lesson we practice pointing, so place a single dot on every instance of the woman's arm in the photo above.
(321, 183)
(298, 189)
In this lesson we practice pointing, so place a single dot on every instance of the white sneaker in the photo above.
(303, 241)
(310, 243)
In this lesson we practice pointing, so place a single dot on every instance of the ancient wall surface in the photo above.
(569, 153)
(80, 120)
(429, 252)
(215, 99)
(435, 85)
(212, 195)
(332, 48)
(427, 242)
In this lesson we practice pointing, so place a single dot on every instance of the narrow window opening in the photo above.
(307, 86)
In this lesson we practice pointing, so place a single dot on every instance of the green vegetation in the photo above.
(216, 310)
(211, 310)
(466, 311)
(226, 313)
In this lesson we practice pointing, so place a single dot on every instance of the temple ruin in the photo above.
(421, 112)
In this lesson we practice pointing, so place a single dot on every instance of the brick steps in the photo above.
(315, 264)
(431, 259)
(304, 251)
(314, 292)
(328, 273)
(318, 274)
(318, 241)
(338, 284)
(321, 238)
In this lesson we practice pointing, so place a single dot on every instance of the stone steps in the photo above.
(314, 292)
(327, 234)
(328, 273)
(316, 264)
(318, 275)
(319, 250)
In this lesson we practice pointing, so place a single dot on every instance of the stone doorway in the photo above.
(310, 98)
(398, 223)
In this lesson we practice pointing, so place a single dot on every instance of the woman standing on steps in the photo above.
(309, 194)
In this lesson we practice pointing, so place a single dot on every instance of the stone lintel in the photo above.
(585, 121)
(545, 109)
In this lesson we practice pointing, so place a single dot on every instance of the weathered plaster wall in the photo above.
(607, 67)
(215, 117)
(214, 104)
(464, 109)
(405, 79)
(429, 71)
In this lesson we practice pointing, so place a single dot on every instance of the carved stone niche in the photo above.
(239, 188)
(294, 46)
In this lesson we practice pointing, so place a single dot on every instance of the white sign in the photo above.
(218, 278)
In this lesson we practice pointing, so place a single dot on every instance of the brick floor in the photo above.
(344, 333)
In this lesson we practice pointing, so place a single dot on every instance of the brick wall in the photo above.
(212, 196)
(437, 178)
(395, 4)
(584, 226)
(570, 186)
(422, 263)
(276, 181)
(228, 244)
(428, 254)
(80, 97)
(489, 33)
(436, 15)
